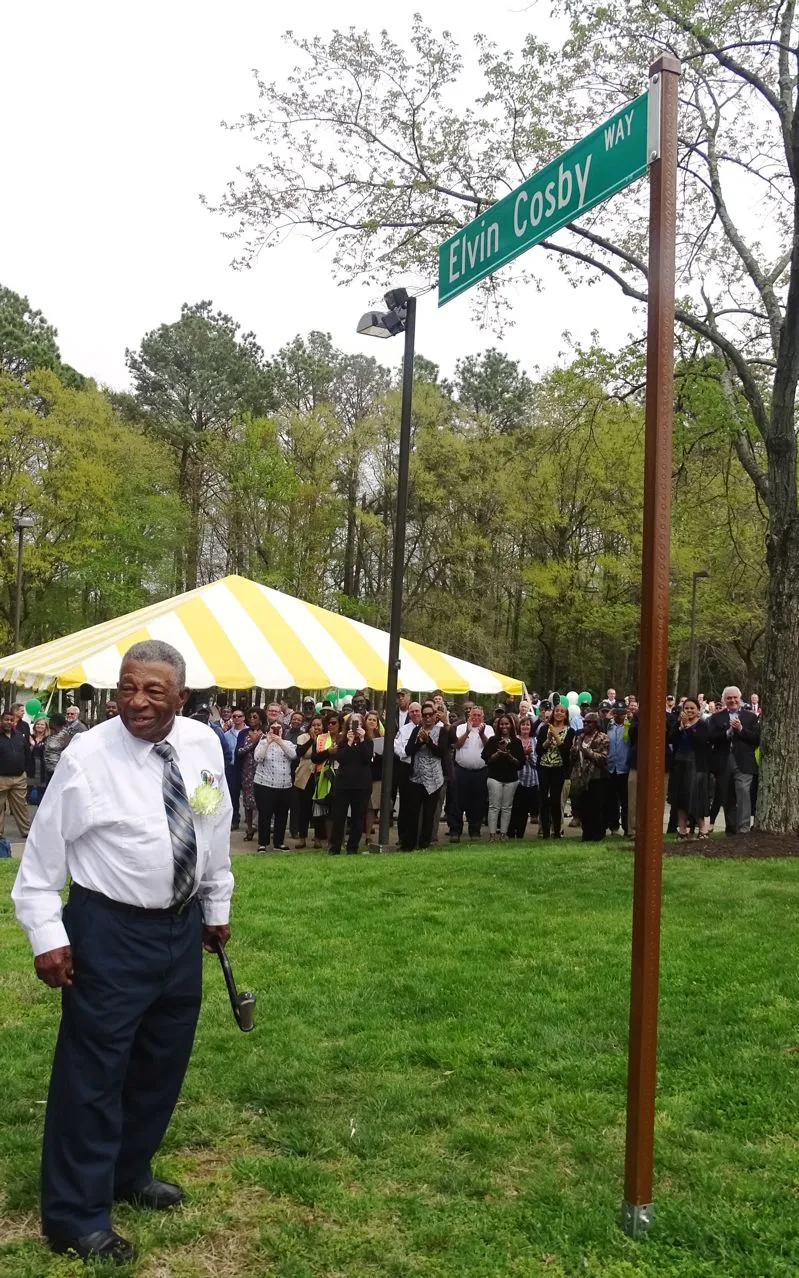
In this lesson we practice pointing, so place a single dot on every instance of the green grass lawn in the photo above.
(436, 1084)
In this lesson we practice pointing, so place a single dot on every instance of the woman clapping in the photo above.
(589, 761)
(689, 783)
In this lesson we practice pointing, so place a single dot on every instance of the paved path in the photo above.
(240, 847)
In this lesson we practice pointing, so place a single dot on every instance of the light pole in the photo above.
(693, 678)
(21, 522)
(399, 318)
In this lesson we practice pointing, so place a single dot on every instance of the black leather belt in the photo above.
(140, 911)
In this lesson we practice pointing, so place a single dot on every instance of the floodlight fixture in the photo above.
(379, 324)
(387, 323)
(397, 300)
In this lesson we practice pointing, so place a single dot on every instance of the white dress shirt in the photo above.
(102, 822)
(470, 755)
(402, 738)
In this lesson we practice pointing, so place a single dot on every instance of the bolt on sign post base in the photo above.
(636, 1221)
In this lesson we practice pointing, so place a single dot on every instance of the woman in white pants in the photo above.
(504, 756)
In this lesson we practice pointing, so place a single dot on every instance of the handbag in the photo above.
(580, 775)
(323, 788)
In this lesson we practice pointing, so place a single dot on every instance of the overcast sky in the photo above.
(112, 129)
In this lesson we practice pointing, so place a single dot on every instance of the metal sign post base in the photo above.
(637, 1220)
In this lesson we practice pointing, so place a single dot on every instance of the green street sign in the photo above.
(593, 169)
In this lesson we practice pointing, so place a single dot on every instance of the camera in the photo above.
(355, 722)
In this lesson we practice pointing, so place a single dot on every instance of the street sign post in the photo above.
(608, 159)
(637, 1210)
(641, 135)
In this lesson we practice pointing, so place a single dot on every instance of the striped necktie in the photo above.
(181, 825)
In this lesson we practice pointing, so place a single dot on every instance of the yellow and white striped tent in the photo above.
(235, 633)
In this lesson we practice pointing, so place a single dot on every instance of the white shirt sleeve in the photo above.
(216, 885)
(61, 818)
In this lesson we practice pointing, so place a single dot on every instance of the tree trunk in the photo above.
(194, 533)
(183, 493)
(360, 556)
(778, 795)
(351, 537)
(516, 623)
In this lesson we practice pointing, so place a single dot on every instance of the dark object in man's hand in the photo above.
(215, 934)
(54, 967)
(243, 1004)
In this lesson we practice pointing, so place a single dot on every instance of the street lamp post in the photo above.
(400, 317)
(693, 678)
(21, 522)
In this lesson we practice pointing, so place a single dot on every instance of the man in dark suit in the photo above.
(734, 735)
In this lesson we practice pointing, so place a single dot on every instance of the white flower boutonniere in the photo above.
(207, 797)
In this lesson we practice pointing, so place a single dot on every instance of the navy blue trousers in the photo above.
(126, 1034)
(471, 788)
(233, 778)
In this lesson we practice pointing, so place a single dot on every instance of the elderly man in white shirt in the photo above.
(138, 817)
(471, 775)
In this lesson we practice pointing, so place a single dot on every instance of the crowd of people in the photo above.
(314, 771)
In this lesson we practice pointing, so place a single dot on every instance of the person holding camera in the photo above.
(504, 758)
(274, 756)
(353, 787)
(373, 728)
(304, 783)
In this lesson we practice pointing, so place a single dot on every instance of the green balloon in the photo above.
(584, 699)
(33, 707)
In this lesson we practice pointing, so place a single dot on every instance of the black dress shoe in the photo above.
(103, 1244)
(159, 1194)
